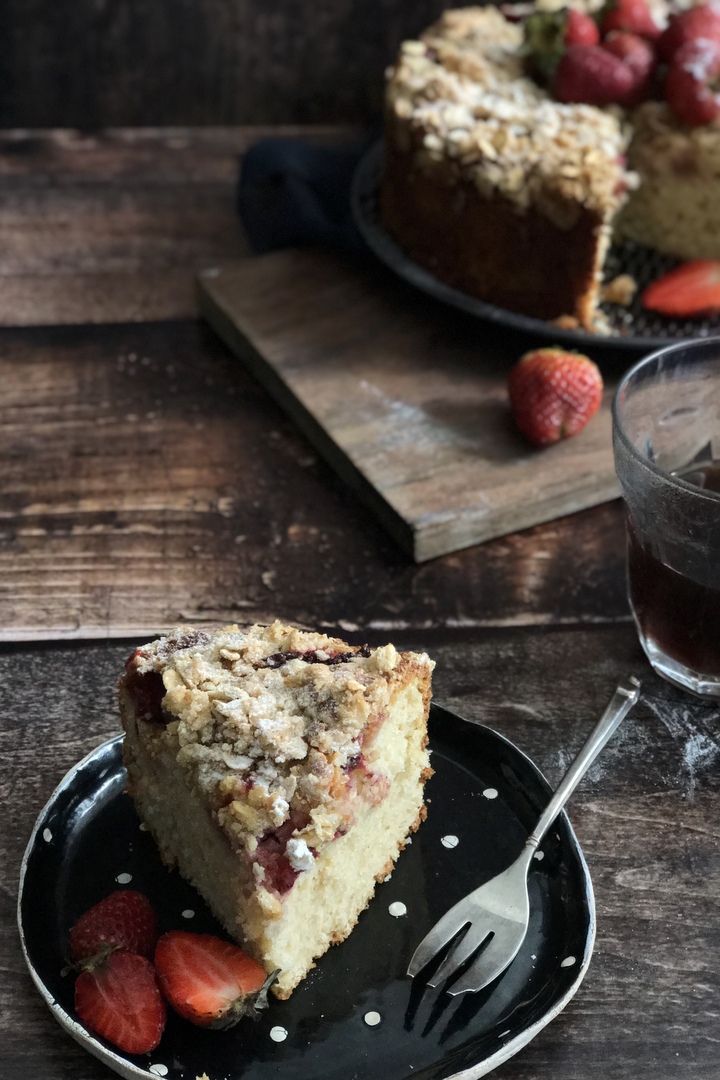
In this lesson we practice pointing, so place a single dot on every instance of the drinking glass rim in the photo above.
(651, 466)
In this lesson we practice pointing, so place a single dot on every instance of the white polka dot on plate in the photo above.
(449, 841)
(143, 827)
(278, 1034)
(47, 836)
(124, 879)
(159, 1069)
(372, 1019)
(188, 913)
(539, 855)
(490, 793)
(397, 909)
(568, 961)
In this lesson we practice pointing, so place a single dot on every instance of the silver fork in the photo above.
(497, 914)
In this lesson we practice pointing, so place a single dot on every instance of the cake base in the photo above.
(487, 247)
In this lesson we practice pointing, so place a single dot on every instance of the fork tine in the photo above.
(442, 932)
(493, 960)
(460, 952)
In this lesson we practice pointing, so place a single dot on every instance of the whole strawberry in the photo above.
(631, 15)
(692, 89)
(119, 1000)
(123, 920)
(547, 34)
(691, 25)
(580, 29)
(211, 982)
(637, 54)
(590, 75)
(553, 394)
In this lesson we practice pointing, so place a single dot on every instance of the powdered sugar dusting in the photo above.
(698, 748)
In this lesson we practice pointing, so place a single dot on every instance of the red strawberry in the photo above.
(123, 920)
(553, 394)
(631, 15)
(208, 981)
(589, 74)
(692, 87)
(580, 29)
(120, 1000)
(690, 289)
(691, 25)
(639, 56)
(547, 34)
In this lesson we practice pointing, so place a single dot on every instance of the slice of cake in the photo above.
(281, 771)
(490, 184)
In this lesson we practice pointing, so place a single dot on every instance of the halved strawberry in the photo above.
(119, 1000)
(553, 394)
(123, 920)
(690, 289)
(208, 981)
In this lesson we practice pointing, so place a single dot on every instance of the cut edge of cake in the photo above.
(281, 771)
(491, 184)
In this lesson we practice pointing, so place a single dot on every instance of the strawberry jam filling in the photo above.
(147, 690)
(280, 875)
(311, 656)
(146, 693)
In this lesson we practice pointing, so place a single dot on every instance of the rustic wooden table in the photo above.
(147, 479)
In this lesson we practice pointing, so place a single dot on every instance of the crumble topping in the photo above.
(460, 94)
(662, 144)
(274, 726)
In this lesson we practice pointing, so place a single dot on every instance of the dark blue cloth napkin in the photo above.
(292, 194)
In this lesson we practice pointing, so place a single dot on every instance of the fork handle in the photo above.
(620, 704)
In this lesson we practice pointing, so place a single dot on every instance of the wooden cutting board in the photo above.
(404, 397)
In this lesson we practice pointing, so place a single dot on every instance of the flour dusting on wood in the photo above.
(698, 747)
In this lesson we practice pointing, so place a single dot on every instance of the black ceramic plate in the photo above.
(630, 328)
(483, 801)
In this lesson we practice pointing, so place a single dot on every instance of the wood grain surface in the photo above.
(149, 480)
(405, 400)
(114, 226)
(647, 816)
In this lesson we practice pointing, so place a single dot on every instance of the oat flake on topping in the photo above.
(267, 719)
(462, 95)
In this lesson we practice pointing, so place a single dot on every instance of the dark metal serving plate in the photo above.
(631, 327)
(485, 793)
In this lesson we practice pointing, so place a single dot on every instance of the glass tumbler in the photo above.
(666, 440)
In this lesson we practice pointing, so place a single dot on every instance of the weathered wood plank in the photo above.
(648, 817)
(407, 401)
(114, 227)
(149, 480)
